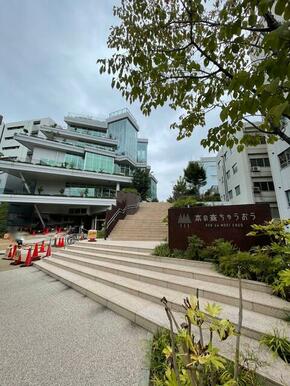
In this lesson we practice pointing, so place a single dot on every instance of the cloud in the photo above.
(48, 67)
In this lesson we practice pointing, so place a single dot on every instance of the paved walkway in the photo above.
(52, 335)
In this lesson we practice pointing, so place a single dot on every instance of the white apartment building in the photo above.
(246, 177)
(68, 176)
(279, 155)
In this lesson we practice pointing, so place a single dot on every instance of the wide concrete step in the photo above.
(255, 324)
(152, 316)
(199, 272)
(252, 300)
(107, 245)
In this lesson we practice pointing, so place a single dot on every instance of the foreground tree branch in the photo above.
(194, 55)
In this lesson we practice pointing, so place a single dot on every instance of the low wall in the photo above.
(230, 222)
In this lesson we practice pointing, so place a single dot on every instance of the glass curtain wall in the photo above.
(74, 161)
(126, 134)
(142, 152)
(99, 163)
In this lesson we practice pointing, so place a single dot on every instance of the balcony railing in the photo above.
(111, 194)
(118, 170)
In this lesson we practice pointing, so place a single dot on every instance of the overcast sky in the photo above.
(48, 68)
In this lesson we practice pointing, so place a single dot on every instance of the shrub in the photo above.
(279, 345)
(192, 357)
(274, 230)
(281, 286)
(194, 249)
(218, 248)
(101, 234)
(162, 250)
(258, 266)
(185, 202)
(158, 363)
(130, 190)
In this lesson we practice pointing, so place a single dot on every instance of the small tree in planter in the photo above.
(86, 192)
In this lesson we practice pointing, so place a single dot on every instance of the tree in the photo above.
(195, 177)
(141, 182)
(233, 55)
(179, 189)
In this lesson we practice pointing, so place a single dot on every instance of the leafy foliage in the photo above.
(197, 56)
(130, 190)
(185, 202)
(195, 248)
(279, 345)
(179, 189)
(218, 248)
(254, 266)
(195, 176)
(191, 359)
(162, 250)
(141, 182)
(281, 286)
(274, 230)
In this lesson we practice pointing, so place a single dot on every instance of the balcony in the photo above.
(60, 170)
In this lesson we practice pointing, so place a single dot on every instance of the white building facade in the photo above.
(246, 177)
(279, 155)
(69, 176)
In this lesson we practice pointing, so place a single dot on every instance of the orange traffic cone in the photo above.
(18, 256)
(62, 242)
(48, 252)
(28, 258)
(9, 252)
(35, 255)
(42, 247)
(13, 252)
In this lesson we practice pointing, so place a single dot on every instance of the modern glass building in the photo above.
(69, 175)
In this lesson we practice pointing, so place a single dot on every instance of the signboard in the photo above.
(228, 222)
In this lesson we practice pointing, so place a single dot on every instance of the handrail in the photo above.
(127, 203)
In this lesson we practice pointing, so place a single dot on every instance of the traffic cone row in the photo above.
(60, 242)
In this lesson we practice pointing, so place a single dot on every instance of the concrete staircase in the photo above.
(146, 224)
(131, 281)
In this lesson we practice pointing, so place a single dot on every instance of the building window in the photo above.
(262, 139)
(36, 122)
(228, 174)
(9, 138)
(261, 162)
(10, 147)
(288, 196)
(264, 186)
(219, 164)
(238, 190)
(235, 168)
(230, 194)
(284, 158)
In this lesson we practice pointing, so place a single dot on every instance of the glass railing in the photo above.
(68, 192)
(119, 171)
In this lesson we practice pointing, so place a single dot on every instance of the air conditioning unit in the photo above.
(257, 189)
(255, 169)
